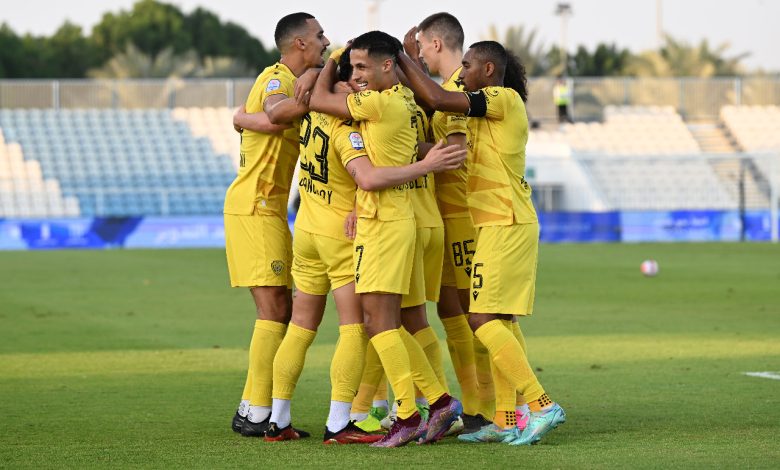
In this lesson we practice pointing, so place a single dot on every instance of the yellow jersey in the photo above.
(497, 192)
(388, 123)
(423, 192)
(450, 185)
(267, 161)
(327, 191)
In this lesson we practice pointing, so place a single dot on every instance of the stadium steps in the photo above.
(756, 186)
(712, 138)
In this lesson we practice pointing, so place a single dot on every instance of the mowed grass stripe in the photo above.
(598, 349)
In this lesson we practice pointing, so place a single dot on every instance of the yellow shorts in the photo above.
(259, 250)
(383, 255)
(425, 283)
(321, 263)
(459, 243)
(503, 278)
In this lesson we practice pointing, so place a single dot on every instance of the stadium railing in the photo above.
(693, 98)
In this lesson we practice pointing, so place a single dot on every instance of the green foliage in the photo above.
(680, 59)
(675, 59)
(137, 358)
(605, 60)
(158, 31)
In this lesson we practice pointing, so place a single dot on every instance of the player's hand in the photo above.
(444, 158)
(240, 111)
(336, 55)
(304, 85)
(342, 87)
(411, 46)
(350, 225)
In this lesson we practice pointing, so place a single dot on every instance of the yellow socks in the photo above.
(381, 389)
(245, 395)
(372, 375)
(422, 373)
(429, 343)
(515, 327)
(346, 367)
(266, 339)
(395, 361)
(485, 391)
(541, 403)
(289, 360)
(509, 359)
(518, 334)
(460, 343)
(505, 419)
(505, 400)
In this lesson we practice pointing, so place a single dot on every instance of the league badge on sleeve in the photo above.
(273, 85)
(356, 140)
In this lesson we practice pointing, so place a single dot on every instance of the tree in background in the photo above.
(675, 59)
(523, 43)
(159, 31)
(606, 60)
(680, 59)
(133, 63)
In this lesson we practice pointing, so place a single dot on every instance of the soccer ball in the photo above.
(649, 267)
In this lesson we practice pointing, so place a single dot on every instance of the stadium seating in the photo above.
(214, 124)
(665, 183)
(121, 162)
(630, 130)
(24, 192)
(667, 171)
(755, 128)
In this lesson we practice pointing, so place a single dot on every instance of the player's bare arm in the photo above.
(412, 47)
(283, 110)
(324, 99)
(304, 85)
(371, 178)
(430, 92)
(258, 122)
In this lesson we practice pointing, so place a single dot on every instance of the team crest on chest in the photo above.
(356, 140)
(277, 266)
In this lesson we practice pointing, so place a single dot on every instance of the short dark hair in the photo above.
(508, 66)
(378, 44)
(345, 67)
(289, 25)
(447, 27)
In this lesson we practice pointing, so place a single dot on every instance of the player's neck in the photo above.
(449, 63)
(296, 64)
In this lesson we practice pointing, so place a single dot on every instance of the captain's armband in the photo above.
(477, 103)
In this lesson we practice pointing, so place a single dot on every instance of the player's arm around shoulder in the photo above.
(323, 98)
(430, 93)
(257, 122)
(370, 178)
(279, 101)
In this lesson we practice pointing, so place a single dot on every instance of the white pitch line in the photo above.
(764, 375)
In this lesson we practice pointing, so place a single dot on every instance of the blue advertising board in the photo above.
(208, 231)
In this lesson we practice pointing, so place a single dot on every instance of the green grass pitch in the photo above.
(137, 359)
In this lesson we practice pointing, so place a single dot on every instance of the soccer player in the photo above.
(499, 201)
(386, 229)
(423, 285)
(257, 239)
(438, 42)
(322, 259)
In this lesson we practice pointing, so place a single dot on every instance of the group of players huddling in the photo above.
(411, 191)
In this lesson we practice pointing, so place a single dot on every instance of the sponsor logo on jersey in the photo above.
(273, 85)
(356, 140)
